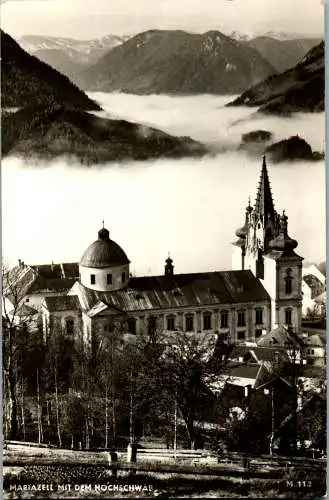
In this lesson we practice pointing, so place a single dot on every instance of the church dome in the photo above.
(104, 252)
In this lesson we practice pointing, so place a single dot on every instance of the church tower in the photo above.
(264, 247)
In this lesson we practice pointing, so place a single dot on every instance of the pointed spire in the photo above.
(264, 205)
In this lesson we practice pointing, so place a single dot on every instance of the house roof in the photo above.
(280, 336)
(259, 354)
(247, 374)
(57, 271)
(314, 341)
(180, 290)
(47, 284)
(62, 303)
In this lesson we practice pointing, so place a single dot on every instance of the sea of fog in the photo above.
(188, 207)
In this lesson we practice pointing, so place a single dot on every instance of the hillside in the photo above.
(25, 80)
(61, 61)
(283, 54)
(172, 62)
(299, 89)
(47, 133)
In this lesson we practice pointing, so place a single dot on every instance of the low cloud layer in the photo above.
(188, 207)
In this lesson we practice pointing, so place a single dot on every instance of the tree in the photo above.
(172, 368)
(17, 320)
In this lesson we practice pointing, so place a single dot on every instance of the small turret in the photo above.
(243, 231)
(282, 242)
(169, 268)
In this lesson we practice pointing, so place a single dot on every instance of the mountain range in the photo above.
(74, 57)
(80, 51)
(67, 55)
(53, 119)
(170, 62)
(283, 54)
(300, 88)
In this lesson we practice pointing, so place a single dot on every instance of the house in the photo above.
(314, 350)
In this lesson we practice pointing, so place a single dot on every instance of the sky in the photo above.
(86, 19)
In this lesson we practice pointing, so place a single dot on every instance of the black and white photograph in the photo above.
(163, 249)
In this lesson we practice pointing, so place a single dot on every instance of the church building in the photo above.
(240, 305)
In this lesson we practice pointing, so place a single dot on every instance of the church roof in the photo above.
(104, 252)
(24, 279)
(180, 290)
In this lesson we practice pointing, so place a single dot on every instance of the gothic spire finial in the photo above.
(264, 206)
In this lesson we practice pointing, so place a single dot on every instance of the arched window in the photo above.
(171, 322)
(224, 319)
(207, 320)
(241, 318)
(288, 282)
(132, 326)
(189, 322)
(288, 315)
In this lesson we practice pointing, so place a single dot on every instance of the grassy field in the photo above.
(92, 478)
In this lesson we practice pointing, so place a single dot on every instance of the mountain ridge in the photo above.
(27, 80)
(45, 133)
(300, 88)
(174, 61)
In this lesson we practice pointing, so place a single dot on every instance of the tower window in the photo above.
(259, 316)
(109, 279)
(123, 277)
(224, 319)
(189, 322)
(207, 317)
(288, 282)
(171, 323)
(92, 279)
(242, 318)
(288, 316)
(132, 326)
